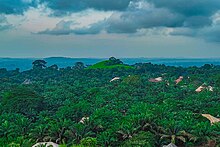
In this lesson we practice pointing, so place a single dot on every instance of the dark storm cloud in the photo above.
(15, 6)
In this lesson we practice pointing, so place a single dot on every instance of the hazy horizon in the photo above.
(46, 57)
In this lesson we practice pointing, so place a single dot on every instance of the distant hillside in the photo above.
(62, 62)
(108, 65)
(26, 63)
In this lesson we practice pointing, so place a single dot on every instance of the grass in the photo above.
(103, 65)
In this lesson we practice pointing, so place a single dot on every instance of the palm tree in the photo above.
(106, 138)
(206, 133)
(7, 130)
(40, 132)
(58, 128)
(176, 135)
(23, 124)
(127, 130)
(78, 131)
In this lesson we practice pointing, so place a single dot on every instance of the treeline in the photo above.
(79, 106)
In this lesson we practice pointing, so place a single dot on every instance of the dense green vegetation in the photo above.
(48, 104)
(110, 64)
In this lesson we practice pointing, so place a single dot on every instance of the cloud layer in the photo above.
(194, 18)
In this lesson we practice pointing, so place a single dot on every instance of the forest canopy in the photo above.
(110, 104)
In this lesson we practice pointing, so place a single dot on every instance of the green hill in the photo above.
(106, 65)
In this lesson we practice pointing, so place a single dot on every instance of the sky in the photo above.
(104, 28)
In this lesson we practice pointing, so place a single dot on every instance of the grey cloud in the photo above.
(189, 7)
(129, 21)
(95, 28)
(197, 21)
(132, 20)
(63, 7)
(210, 33)
(16, 6)
(109, 4)
(197, 12)
(64, 28)
(187, 18)
(164, 13)
(4, 25)
(184, 32)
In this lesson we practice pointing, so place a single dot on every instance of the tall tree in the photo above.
(79, 65)
(39, 64)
